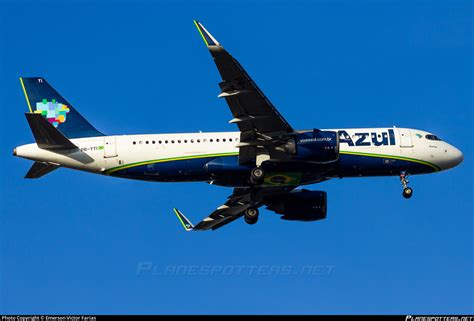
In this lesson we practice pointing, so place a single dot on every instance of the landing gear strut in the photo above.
(256, 176)
(251, 215)
(407, 191)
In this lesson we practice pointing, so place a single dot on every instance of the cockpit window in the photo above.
(432, 137)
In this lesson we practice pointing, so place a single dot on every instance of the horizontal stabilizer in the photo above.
(46, 135)
(40, 169)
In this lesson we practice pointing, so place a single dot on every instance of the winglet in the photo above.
(188, 226)
(209, 40)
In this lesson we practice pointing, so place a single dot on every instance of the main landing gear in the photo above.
(251, 215)
(407, 191)
(256, 176)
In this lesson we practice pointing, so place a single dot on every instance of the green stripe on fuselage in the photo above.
(171, 159)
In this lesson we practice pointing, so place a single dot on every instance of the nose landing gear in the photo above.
(407, 191)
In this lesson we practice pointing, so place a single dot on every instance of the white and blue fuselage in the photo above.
(213, 157)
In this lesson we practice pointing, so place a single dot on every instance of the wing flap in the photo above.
(231, 210)
(234, 208)
(222, 217)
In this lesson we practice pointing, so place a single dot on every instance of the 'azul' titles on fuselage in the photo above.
(368, 138)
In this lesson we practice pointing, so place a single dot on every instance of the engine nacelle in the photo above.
(300, 205)
(317, 146)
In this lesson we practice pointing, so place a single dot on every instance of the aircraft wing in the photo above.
(234, 208)
(260, 123)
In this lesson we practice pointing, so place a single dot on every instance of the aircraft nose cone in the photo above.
(449, 157)
(14, 152)
(457, 156)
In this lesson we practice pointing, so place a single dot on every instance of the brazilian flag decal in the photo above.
(280, 179)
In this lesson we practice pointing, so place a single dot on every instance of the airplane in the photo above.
(264, 162)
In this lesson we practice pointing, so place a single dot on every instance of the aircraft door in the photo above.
(405, 137)
(110, 146)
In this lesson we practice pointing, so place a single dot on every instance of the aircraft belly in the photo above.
(353, 164)
(176, 170)
(222, 168)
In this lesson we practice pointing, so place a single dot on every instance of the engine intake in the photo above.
(300, 205)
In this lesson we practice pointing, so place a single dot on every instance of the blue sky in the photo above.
(71, 242)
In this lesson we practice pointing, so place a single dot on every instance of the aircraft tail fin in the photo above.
(188, 226)
(38, 169)
(46, 135)
(42, 99)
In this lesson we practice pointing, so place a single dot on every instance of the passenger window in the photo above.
(172, 141)
(217, 139)
(153, 142)
(223, 140)
(179, 141)
(198, 140)
(159, 142)
(146, 142)
(166, 142)
(185, 141)
(211, 140)
(134, 143)
(192, 140)
(230, 139)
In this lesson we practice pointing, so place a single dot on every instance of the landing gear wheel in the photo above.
(407, 192)
(257, 175)
(251, 215)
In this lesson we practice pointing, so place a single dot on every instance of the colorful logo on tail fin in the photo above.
(53, 111)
